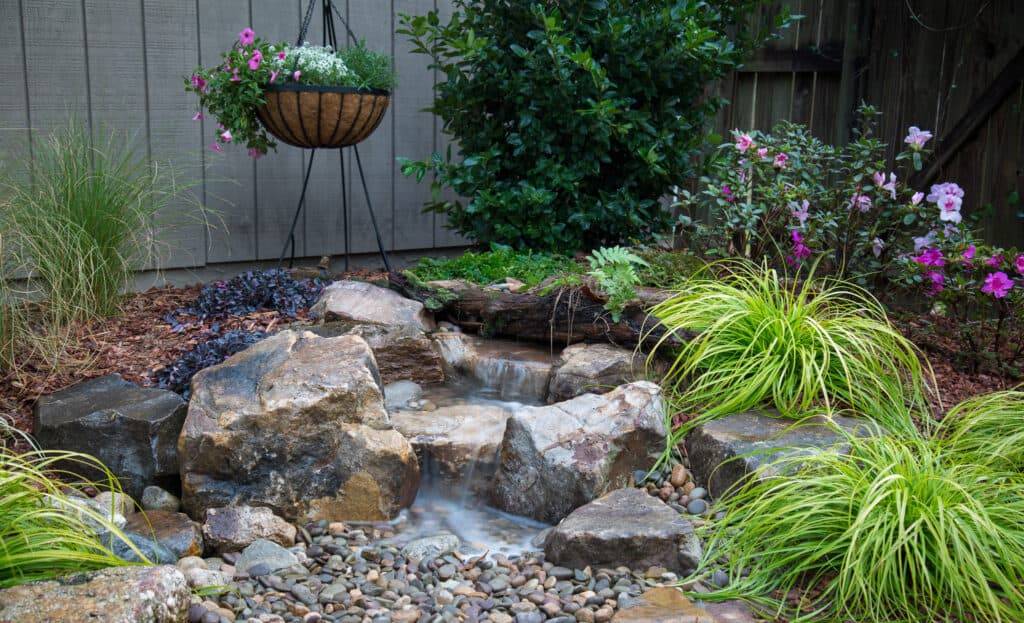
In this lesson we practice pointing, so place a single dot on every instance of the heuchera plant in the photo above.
(233, 91)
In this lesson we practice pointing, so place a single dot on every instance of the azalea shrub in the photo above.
(233, 90)
(573, 118)
(788, 198)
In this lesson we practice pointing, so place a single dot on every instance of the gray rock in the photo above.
(593, 368)
(557, 458)
(135, 547)
(723, 451)
(399, 394)
(118, 595)
(174, 531)
(697, 507)
(267, 553)
(156, 499)
(198, 578)
(362, 302)
(515, 371)
(296, 423)
(431, 547)
(625, 527)
(234, 528)
(132, 430)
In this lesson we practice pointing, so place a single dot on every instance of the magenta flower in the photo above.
(781, 160)
(879, 179)
(234, 75)
(273, 76)
(743, 141)
(296, 75)
(255, 154)
(800, 211)
(997, 284)
(198, 83)
(931, 257)
(937, 282)
(1019, 263)
(948, 188)
(247, 36)
(860, 202)
(216, 147)
(916, 138)
(800, 250)
(762, 153)
(995, 261)
(727, 193)
(198, 116)
(254, 62)
(969, 252)
(281, 55)
(226, 136)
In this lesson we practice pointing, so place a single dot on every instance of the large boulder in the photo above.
(625, 527)
(296, 423)
(234, 528)
(594, 368)
(369, 304)
(723, 451)
(133, 430)
(513, 370)
(116, 595)
(557, 458)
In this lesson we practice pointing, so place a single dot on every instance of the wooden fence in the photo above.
(120, 64)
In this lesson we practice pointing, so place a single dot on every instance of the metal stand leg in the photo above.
(344, 211)
(373, 217)
(290, 240)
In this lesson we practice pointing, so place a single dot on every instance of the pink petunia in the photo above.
(247, 36)
(281, 55)
(216, 147)
(969, 253)
(198, 116)
(916, 138)
(743, 141)
(931, 258)
(273, 76)
(781, 160)
(254, 62)
(997, 284)
(198, 83)
(234, 76)
(296, 75)
(226, 136)
(255, 154)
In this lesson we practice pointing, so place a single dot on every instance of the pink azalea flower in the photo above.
(877, 246)
(254, 62)
(800, 250)
(879, 179)
(937, 282)
(995, 261)
(781, 160)
(727, 193)
(932, 258)
(997, 284)
(762, 153)
(1019, 263)
(198, 116)
(255, 154)
(247, 36)
(860, 202)
(743, 141)
(969, 252)
(916, 138)
(921, 242)
(296, 75)
(216, 147)
(800, 211)
(916, 199)
(949, 208)
(226, 136)
(948, 188)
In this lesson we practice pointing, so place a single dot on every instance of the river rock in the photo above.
(175, 531)
(156, 499)
(514, 371)
(369, 304)
(724, 450)
(594, 368)
(234, 528)
(296, 423)
(266, 554)
(662, 605)
(557, 458)
(398, 395)
(428, 548)
(117, 595)
(132, 430)
(625, 527)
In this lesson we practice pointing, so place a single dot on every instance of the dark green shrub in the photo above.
(575, 117)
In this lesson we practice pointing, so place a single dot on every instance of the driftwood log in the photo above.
(563, 316)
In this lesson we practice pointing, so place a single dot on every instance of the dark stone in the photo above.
(132, 430)
(175, 531)
(722, 452)
(626, 527)
(149, 547)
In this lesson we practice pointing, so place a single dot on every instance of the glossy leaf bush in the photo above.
(573, 118)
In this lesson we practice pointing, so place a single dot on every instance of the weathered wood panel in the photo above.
(14, 118)
(58, 80)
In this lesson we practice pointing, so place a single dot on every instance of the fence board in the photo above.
(55, 58)
(117, 68)
(444, 237)
(14, 121)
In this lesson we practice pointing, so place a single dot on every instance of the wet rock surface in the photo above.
(174, 531)
(132, 430)
(593, 368)
(625, 527)
(296, 423)
(234, 528)
(663, 605)
(513, 371)
(118, 595)
(557, 458)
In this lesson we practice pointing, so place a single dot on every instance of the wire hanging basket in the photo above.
(317, 117)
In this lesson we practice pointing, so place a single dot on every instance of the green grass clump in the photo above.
(44, 533)
(989, 429)
(81, 215)
(494, 266)
(764, 341)
(889, 531)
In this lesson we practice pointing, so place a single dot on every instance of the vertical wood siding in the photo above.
(120, 65)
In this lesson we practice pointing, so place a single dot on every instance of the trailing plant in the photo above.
(573, 119)
(615, 270)
(989, 429)
(889, 530)
(762, 340)
(233, 90)
(489, 267)
(90, 217)
(253, 291)
(46, 527)
(177, 376)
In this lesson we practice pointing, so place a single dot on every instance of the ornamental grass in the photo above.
(989, 429)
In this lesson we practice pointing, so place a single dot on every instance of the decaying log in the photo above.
(563, 316)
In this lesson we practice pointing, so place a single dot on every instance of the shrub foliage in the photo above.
(574, 117)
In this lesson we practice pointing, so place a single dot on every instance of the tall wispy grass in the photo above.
(888, 531)
(45, 529)
(989, 429)
(81, 215)
(9, 319)
(798, 346)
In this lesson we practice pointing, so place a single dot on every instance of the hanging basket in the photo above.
(315, 117)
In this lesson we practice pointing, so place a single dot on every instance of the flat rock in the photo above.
(723, 451)
(296, 423)
(593, 368)
(514, 371)
(132, 430)
(366, 303)
(557, 458)
(175, 531)
(733, 611)
(428, 548)
(663, 605)
(625, 527)
(399, 394)
(234, 528)
(270, 555)
(115, 595)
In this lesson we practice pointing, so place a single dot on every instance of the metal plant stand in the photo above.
(330, 13)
